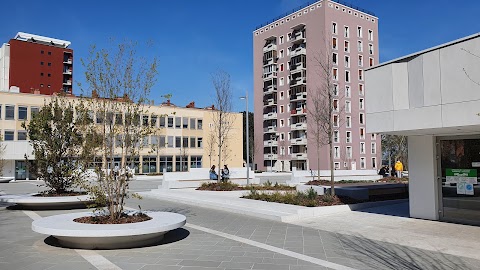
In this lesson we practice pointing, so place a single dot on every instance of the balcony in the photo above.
(270, 75)
(67, 72)
(269, 116)
(299, 96)
(270, 102)
(298, 37)
(299, 111)
(69, 82)
(270, 129)
(270, 89)
(270, 143)
(298, 67)
(68, 61)
(298, 51)
(298, 141)
(270, 47)
(270, 61)
(299, 156)
(299, 126)
(270, 156)
(298, 81)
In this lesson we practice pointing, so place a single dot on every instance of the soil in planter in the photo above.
(64, 194)
(124, 219)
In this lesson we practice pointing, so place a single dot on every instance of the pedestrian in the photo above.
(213, 173)
(382, 171)
(225, 173)
(399, 168)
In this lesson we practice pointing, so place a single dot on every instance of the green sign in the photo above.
(461, 176)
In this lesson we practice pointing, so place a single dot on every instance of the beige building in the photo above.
(180, 137)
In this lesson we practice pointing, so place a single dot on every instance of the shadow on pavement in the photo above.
(397, 210)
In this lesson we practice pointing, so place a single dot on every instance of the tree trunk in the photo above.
(318, 161)
(332, 176)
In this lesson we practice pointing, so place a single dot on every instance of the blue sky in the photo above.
(194, 38)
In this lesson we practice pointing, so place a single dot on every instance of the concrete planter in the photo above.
(6, 179)
(72, 234)
(29, 201)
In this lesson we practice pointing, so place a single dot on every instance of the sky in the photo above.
(195, 38)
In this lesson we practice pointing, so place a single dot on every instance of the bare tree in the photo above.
(2, 153)
(325, 112)
(395, 147)
(120, 83)
(223, 117)
(210, 145)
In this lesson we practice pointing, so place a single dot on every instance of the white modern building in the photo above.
(433, 97)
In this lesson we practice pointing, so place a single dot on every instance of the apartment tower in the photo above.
(286, 66)
(36, 64)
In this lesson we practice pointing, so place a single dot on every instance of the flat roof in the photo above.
(26, 36)
(403, 58)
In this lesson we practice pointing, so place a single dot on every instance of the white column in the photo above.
(422, 170)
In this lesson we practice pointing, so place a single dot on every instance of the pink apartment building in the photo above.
(285, 67)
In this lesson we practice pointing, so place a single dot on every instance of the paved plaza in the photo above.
(215, 239)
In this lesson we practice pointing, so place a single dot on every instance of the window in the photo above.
(288, 65)
(335, 74)
(361, 104)
(360, 75)
(21, 135)
(170, 142)
(185, 142)
(178, 142)
(335, 89)
(200, 142)
(49, 75)
(334, 43)
(346, 32)
(282, 136)
(166, 163)
(200, 124)
(347, 61)
(193, 122)
(335, 121)
(145, 120)
(370, 35)
(153, 121)
(162, 121)
(49, 53)
(348, 106)
(362, 163)
(334, 28)
(336, 136)
(170, 122)
(281, 39)
(370, 62)
(9, 135)
(334, 58)
(49, 64)
(335, 105)
(362, 148)
(374, 163)
(336, 152)
(360, 90)
(360, 60)
(373, 148)
(149, 164)
(162, 142)
(349, 152)
(281, 67)
(41, 74)
(347, 46)
(41, 63)
(196, 162)
(282, 95)
(362, 133)
(9, 112)
(348, 121)
(0, 113)
(373, 136)
(336, 165)
(181, 163)
(360, 46)
(349, 137)
(347, 76)
(289, 36)
(289, 50)
(281, 55)
(282, 109)
(42, 52)
(41, 85)
(99, 118)
(33, 111)
(282, 122)
(282, 81)
(185, 122)
(361, 119)
(348, 93)
(370, 48)
(178, 122)
(359, 32)
(193, 142)
(22, 113)
(153, 140)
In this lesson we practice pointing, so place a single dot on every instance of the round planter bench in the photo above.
(6, 179)
(72, 234)
(28, 201)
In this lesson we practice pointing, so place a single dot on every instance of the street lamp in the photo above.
(248, 138)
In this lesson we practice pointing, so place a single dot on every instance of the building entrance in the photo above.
(460, 189)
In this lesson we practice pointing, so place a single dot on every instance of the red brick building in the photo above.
(36, 64)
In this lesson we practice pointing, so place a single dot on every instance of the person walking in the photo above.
(399, 168)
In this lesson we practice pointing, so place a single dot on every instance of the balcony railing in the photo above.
(69, 82)
(67, 72)
(270, 47)
(270, 89)
(270, 75)
(299, 156)
(298, 111)
(299, 96)
(298, 81)
(270, 143)
(268, 116)
(298, 51)
(67, 61)
(270, 156)
(298, 37)
(269, 102)
(299, 126)
(270, 129)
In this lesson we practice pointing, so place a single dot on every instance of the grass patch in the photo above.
(391, 179)
(229, 186)
(327, 182)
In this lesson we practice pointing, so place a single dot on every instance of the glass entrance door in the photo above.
(460, 168)
(20, 170)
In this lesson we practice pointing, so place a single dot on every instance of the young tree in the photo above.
(57, 143)
(325, 111)
(2, 153)
(120, 82)
(210, 145)
(223, 117)
(395, 147)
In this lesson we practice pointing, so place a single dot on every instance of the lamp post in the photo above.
(248, 138)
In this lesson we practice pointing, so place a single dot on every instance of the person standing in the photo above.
(399, 168)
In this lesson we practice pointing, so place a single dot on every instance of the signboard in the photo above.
(465, 188)
(476, 164)
(461, 175)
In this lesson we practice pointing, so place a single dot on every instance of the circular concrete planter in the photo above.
(72, 234)
(28, 201)
(6, 179)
